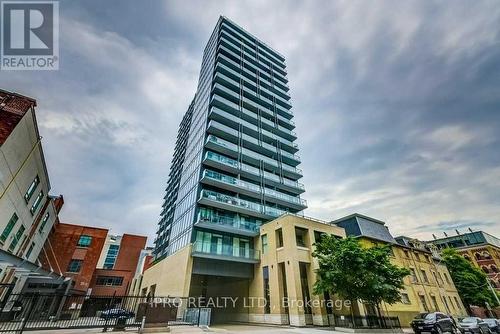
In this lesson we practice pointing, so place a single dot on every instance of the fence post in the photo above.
(63, 299)
(26, 317)
(108, 308)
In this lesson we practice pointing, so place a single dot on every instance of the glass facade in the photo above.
(111, 256)
(235, 160)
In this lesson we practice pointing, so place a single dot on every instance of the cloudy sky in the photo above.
(396, 104)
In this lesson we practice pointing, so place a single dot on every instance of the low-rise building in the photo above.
(27, 211)
(480, 248)
(428, 288)
(73, 251)
(281, 278)
(117, 265)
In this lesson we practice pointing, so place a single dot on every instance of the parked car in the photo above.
(493, 324)
(117, 313)
(474, 325)
(434, 322)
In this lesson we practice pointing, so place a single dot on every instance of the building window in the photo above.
(413, 274)
(17, 237)
(28, 253)
(109, 280)
(306, 297)
(434, 303)
(10, 226)
(36, 203)
(84, 241)
(318, 236)
(407, 254)
(456, 302)
(264, 243)
(300, 236)
(446, 278)
(44, 222)
(267, 294)
(405, 299)
(424, 276)
(424, 303)
(31, 189)
(279, 238)
(109, 262)
(435, 277)
(74, 266)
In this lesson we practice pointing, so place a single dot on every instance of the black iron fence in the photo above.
(37, 311)
(24, 312)
(364, 322)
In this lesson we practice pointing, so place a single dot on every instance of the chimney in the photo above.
(434, 236)
(470, 230)
(445, 234)
(458, 233)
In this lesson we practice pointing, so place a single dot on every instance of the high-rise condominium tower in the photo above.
(235, 161)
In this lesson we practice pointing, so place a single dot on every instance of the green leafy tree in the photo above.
(471, 282)
(354, 272)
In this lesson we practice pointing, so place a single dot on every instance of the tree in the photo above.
(353, 272)
(471, 282)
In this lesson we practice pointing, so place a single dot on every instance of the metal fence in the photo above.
(364, 322)
(37, 311)
(25, 312)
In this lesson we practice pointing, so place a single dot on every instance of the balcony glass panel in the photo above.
(294, 184)
(220, 249)
(222, 159)
(223, 143)
(230, 180)
(292, 169)
(285, 197)
(226, 199)
(206, 216)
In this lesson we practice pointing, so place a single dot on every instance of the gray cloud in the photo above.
(395, 103)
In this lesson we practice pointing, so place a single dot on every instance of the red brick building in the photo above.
(118, 265)
(73, 251)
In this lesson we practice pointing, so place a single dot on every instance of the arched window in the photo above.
(485, 269)
(493, 268)
(467, 257)
(478, 256)
(486, 255)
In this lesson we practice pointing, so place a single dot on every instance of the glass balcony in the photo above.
(235, 166)
(286, 198)
(232, 108)
(250, 55)
(218, 250)
(228, 224)
(236, 76)
(222, 143)
(250, 128)
(240, 205)
(293, 184)
(231, 180)
(270, 54)
(251, 75)
(258, 101)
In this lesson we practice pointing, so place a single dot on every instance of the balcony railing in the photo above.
(256, 189)
(252, 170)
(229, 223)
(220, 250)
(230, 180)
(239, 203)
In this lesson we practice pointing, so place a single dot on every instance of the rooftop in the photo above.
(466, 240)
(12, 109)
(358, 225)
